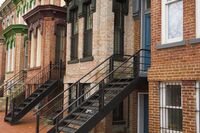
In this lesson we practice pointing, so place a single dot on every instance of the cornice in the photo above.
(42, 11)
(13, 29)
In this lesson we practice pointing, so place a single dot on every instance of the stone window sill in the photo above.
(194, 41)
(34, 68)
(86, 59)
(171, 45)
(10, 72)
(73, 61)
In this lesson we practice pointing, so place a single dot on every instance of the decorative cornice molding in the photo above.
(13, 29)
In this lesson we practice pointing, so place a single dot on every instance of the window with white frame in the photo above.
(172, 21)
(10, 58)
(170, 108)
(198, 18)
(35, 49)
(198, 106)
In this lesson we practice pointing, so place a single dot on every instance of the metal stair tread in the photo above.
(119, 83)
(66, 129)
(87, 115)
(89, 107)
(74, 122)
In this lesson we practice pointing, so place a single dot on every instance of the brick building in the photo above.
(174, 73)
(131, 66)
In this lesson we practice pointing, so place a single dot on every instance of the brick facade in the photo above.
(174, 64)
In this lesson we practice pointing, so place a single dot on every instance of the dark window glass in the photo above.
(173, 95)
(74, 36)
(118, 113)
(175, 119)
(87, 50)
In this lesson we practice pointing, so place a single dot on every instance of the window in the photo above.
(198, 106)
(74, 36)
(198, 18)
(10, 57)
(87, 51)
(118, 115)
(35, 49)
(170, 108)
(119, 30)
(172, 21)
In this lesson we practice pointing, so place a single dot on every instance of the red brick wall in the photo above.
(2, 60)
(174, 64)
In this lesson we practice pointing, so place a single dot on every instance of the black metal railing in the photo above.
(11, 83)
(1, 82)
(52, 71)
(113, 68)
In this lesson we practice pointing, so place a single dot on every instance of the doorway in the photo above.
(143, 115)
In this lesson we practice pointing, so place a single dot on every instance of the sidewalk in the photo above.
(26, 125)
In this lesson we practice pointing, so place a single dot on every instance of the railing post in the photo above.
(50, 66)
(111, 67)
(56, 125)
(79, 90)
(60, 69)
(101, 94)
(38, 122)
(6, 110)
(13, 108)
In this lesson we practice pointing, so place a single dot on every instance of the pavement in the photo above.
(26, 125)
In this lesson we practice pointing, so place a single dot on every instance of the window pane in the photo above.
(175, 20)
(175, 119)
(173, 95)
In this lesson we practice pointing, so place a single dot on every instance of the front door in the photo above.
(60, 43)
(143, 115)
(146, 28)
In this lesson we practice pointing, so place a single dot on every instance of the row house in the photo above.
(174, 73)
(34, 34)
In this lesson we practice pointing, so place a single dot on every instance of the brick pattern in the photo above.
(174, 64)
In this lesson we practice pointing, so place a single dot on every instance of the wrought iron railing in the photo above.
(11, 83)
(113, 68)
(52, 71)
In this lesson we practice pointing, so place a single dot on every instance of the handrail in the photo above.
(80, 97)
(73, 84)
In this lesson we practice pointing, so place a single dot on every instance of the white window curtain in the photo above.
(13, 58)
(198, 18)
(172, 21)
(38, 51)
(8, 59)
(32, 61)
(62, 3)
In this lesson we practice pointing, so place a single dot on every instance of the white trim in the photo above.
(139, 111)
(198, 18)
(164, 17)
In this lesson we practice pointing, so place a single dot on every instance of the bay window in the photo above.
(198, 18)
(11, 58)
(172, 21)
(171, 108)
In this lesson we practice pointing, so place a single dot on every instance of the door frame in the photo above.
(139, 127)
(142, 34)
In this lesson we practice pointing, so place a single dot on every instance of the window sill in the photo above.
(10, 72)
(86, 59)
(122, 122)
(73, 61)
(34, 68)
(194, 41)
(171, 45)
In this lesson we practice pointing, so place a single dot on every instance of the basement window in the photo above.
(172, 21)
(198, 18)
(198, 106)
(171, 108)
